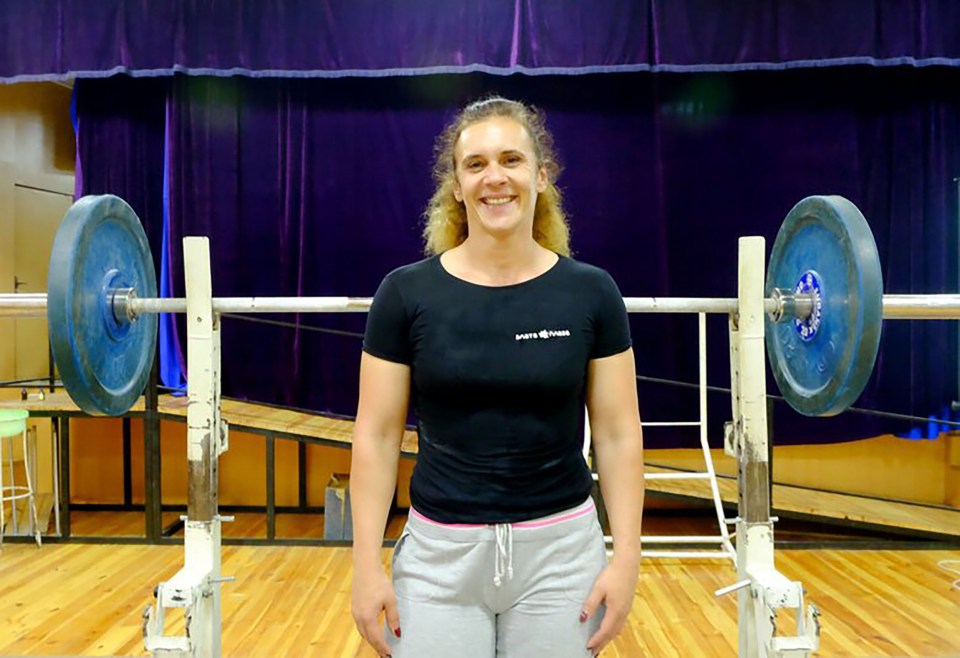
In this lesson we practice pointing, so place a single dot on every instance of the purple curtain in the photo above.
(58, 39)
(315, 187)
(735, 152)
(304, 189)
(119, 125)
(120, 141)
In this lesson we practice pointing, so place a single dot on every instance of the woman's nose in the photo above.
(495, 174)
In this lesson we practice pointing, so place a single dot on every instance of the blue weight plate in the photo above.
(104, 361)
(826, 248)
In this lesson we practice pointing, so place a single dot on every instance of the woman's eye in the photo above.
(513, 159)
(473, 166)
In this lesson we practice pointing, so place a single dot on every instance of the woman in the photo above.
(501, 338)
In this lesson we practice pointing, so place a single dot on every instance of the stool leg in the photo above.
(28, 461)
(3, 518)
(13, 491)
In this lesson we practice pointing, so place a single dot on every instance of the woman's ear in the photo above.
(542, 179)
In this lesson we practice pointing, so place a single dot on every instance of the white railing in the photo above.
(717, 546)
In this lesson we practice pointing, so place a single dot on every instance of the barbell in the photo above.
(824, 304)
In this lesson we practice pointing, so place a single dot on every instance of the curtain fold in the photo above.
(304, 191)
(119, 127)
(121, 149)
(61, 39)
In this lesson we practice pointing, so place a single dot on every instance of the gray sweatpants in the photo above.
(504, 591)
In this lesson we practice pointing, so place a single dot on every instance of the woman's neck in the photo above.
(496, 263)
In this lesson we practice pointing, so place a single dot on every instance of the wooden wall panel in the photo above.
(35, 129)
(886, 467)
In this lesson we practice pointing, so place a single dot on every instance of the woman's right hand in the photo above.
(372, 593)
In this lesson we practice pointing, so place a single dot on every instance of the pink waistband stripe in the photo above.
(581, 510)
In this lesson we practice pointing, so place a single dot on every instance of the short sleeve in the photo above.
(611, 327)
(387, 335)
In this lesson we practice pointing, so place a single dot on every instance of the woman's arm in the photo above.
(618, 446)
(381, 417)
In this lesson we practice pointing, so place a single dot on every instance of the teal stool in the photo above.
(13, 422)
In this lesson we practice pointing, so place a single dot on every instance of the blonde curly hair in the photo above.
(446, 218)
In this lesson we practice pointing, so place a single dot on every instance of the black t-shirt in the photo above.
(498, 377)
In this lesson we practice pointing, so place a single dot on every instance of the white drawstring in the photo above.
(504, 562)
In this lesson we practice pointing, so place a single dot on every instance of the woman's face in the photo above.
(498, 177)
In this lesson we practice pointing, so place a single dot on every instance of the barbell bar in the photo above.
(895, 307)
(824, 305)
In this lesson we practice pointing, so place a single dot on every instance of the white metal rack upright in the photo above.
(722, 545)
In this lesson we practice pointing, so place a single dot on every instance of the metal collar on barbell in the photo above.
(791, 305)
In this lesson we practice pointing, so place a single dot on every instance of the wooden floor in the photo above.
(83, 599)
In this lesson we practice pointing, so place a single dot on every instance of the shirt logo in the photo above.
(544, 334)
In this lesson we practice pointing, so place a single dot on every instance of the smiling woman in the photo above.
(500, 339)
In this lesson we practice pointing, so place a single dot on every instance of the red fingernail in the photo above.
(397, 632)
(583, 617)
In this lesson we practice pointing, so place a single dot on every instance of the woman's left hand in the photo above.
(614, 587)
